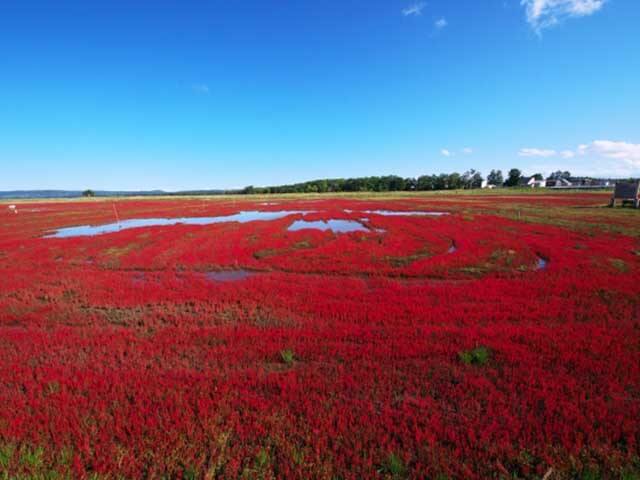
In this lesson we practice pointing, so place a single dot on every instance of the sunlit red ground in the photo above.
(341, 356)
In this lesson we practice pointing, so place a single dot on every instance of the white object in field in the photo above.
(13, 208)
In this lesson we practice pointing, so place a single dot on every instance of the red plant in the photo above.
(121, 356)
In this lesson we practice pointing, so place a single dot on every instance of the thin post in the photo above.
(115, 211)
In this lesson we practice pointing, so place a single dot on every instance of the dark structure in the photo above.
(581, 183)
(627, 192)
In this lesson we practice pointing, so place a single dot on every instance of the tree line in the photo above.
(470, 179)
(393, 183)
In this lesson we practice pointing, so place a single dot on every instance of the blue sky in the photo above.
(226, 93)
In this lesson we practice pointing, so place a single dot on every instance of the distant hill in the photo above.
(26, 194)
(40, 194)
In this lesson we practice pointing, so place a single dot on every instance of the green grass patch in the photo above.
(287, 356)
(394, 467)
(477, 356)
(619, 265)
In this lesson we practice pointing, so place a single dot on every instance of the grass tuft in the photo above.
(477, 356)
(287, 356)
(394, 467)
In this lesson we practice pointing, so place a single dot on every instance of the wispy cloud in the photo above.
(543, 14)
(200, 88)
(467, 151)
(440, 23)
(536, 152)
(445, 152)
(629, 153)
(599, 157)
(414, 9)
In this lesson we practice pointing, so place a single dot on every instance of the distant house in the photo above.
(486, 184)
(579, 182)
(532, 182)
(597, 183)
(558, 183)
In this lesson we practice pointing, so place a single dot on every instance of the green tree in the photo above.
(513, 178)
(88, 193)
(471, 179)
(410, 184)
(323, 186)
(442, 182)
(495, 178)
(476, 180)
(425, 182)
(454, 181)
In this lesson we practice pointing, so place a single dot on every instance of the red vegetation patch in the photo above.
(378, 353)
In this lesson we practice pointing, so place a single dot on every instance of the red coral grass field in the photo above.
(499, 340)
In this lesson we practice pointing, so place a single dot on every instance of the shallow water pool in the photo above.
(335, 225)
(394, 213)
(241, 217)
(229, 275)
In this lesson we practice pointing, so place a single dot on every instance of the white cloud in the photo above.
(467, 151)
(542, 14)
(599, 158)
(582, 149)
(414, 9)
(200, 88)
(628, 153)
(445, 152)
(536, 152)
(440, 23)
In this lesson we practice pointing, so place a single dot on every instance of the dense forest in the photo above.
(444, 181)
(388, 183)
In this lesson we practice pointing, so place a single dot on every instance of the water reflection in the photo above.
(241, 217)
(337, 226)
(541, 263)
(393, 213)
(229, 275)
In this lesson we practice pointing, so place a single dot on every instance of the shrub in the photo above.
(477, 356)
(287, 356)
(394, 466)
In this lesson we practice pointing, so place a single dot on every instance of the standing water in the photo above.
(228, 275)
(337, 226)
(241, 217)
